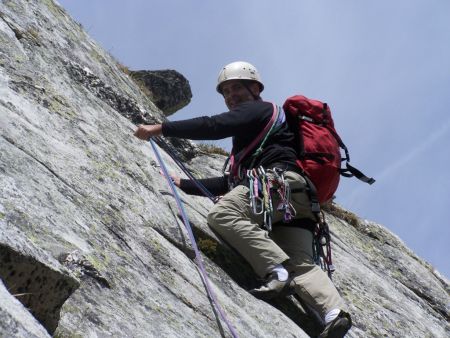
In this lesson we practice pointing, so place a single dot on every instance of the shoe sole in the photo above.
(338, 331)
(267, 295)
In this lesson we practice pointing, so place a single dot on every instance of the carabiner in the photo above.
(257, 203)
(268, 221)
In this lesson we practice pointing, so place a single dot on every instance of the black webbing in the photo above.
(313, 197)
(304, 223)
(351, 171)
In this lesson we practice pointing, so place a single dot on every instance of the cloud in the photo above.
(392, 169)
(415, 151)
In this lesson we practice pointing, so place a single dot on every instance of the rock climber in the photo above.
(278, 252)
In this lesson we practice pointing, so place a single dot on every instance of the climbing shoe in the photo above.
(338, 327)
(273, 288)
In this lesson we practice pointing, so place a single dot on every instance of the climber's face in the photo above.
(235, 92)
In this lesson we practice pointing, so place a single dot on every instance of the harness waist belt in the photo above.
(304, 223)
(287, 167)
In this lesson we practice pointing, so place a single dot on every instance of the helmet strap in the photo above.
(245, 84)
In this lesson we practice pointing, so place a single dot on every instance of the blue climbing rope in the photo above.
(198, 258)
(180, 164)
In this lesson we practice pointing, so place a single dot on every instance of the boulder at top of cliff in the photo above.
(170, 90)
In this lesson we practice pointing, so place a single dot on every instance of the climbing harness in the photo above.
(261, 187)
(198, 258)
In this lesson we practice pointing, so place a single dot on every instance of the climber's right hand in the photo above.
(145, 131)
(175, 179)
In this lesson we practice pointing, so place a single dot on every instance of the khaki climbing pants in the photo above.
(233, 219)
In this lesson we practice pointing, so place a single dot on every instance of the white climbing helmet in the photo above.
(239, 70)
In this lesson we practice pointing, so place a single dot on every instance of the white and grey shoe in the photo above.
(273, 288)
(338, 327)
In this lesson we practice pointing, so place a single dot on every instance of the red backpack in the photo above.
(318, 145)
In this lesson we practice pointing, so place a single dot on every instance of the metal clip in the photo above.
(257, 205)
(268, 221)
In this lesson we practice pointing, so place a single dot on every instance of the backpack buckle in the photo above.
(315, 207)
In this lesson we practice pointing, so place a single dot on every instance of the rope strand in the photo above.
(180, 164)
(198, 258)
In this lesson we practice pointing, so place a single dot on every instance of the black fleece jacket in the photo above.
(243, 124)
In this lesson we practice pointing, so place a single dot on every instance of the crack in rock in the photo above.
(39, 287)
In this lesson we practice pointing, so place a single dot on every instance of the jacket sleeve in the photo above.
(216, 185)
(247, 119)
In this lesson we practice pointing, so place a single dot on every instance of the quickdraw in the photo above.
(267, 198)
(284, 192)
(256, 202)
(322, 247)
(261, 185)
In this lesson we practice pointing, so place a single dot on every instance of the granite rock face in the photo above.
(83, 203)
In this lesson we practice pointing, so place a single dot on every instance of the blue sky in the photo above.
(383, 67)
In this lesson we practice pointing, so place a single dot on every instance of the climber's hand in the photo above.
(145, 131)
(175, 179)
